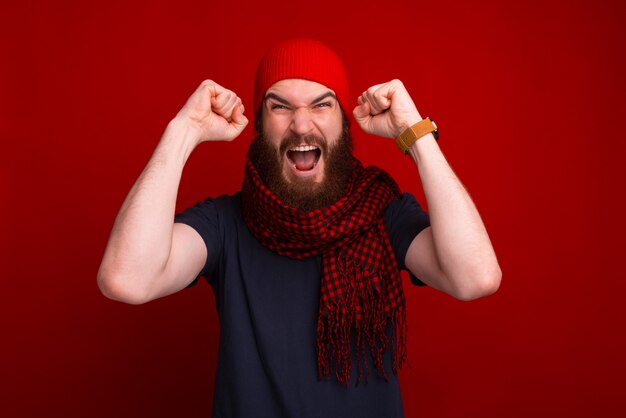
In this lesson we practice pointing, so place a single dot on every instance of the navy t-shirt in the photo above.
(267, 306)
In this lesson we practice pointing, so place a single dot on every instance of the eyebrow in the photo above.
(325, 95)
(286, 102)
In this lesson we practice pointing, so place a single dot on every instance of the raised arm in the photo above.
(148, 256)
(454, 254)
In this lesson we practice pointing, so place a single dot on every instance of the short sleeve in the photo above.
(405, 219)
(204, 218)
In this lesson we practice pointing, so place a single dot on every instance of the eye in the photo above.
(323, 104)
(276, 106)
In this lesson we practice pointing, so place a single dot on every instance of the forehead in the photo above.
(298, 91)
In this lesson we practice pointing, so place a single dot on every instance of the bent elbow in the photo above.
(116, 287)
(484, 285)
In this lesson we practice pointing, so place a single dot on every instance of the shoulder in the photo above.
(215, 219)
(225, 201)
(212, 206)
(404, 203)
(213, 215)
(405, 217)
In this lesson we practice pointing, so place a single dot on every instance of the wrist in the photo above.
(182, 135)
(415, 132)
(185, 129)
(407, 122)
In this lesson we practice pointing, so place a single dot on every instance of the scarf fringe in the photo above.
(335, 324)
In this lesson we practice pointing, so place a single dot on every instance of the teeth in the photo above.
(304, 148)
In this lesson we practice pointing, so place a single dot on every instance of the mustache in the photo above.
(292, 141)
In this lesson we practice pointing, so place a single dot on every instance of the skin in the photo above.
(303, 108)
(149, 257)
(454, 254)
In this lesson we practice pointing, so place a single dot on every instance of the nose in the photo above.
(302, 121)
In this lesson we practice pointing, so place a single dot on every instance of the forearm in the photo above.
(461, 242)
(141, 238)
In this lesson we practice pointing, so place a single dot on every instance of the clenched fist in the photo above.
(386, 110)
(215, 113)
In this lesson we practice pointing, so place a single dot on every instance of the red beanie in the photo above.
(306, 59)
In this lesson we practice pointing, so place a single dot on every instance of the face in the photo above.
(303, 151)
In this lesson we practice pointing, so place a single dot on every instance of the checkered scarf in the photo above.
(361, 289)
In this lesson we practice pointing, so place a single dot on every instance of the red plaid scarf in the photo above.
(361, 287)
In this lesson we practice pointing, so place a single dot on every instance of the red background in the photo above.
(529, 99)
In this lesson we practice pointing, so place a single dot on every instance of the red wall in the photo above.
(530, 103)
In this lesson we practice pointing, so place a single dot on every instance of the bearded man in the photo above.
(305, 259)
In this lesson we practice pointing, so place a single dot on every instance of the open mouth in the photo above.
(304, 157)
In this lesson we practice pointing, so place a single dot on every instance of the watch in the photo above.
(415, 132)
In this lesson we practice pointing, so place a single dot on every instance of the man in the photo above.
(305, 260)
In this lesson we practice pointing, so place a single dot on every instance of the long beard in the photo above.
(305, 194)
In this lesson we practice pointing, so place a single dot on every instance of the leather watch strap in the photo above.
(415, 132)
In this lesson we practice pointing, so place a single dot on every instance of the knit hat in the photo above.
(306, 59)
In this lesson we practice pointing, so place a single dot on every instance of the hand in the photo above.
(215, 113)
(386, 110)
